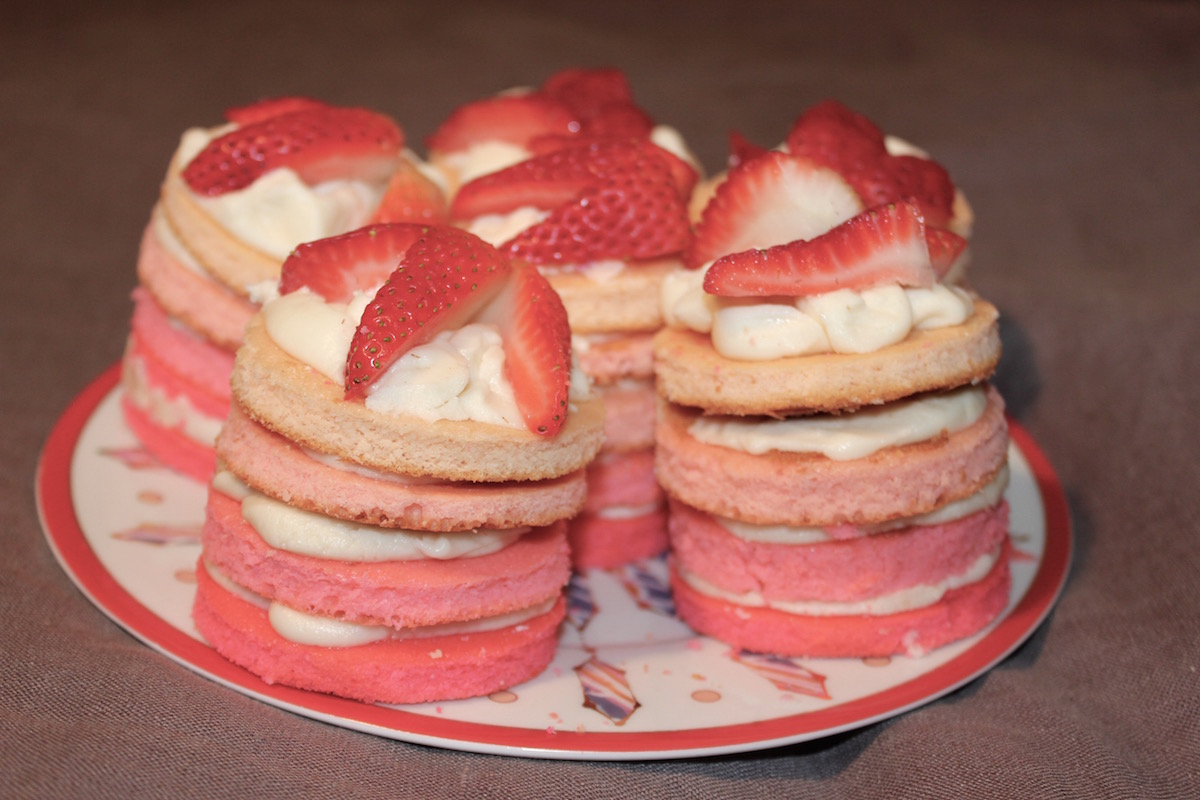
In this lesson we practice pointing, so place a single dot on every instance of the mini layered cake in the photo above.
(605, 222)
(573, 106)
(407, 438)
(236, 199)
(834, 456)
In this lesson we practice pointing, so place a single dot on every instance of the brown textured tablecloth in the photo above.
(1073, 127)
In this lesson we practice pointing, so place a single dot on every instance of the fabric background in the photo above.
(1072, 126)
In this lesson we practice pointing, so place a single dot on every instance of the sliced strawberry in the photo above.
(318, 143)
(537, 348)
(338, 266)
(630, 210)
(945, 248)
(443, 278)
(918, 180)
(833, 135)
(514, 118)
(271, 107)
(882, 245)
(411, 197)
(545, 181)
(742, 150)
(682, 172)
(587, 91)
(770, 200)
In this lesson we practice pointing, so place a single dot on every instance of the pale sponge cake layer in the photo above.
(627, 301)
(414, 670)
(810, 489)
(292, 399)
(399, 594)
(691, 372)
(269, 463)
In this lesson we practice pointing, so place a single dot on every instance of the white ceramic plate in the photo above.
(630, 681)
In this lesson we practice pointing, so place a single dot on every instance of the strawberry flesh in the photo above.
(537, 348)
(411, 197)
(339, 266)
(880, 246)
(945, 248)
(319, 144)
(444, 277)
(769, 200)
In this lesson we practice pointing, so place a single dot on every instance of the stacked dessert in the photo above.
(602, 213)
(236, 199)
(407, 435)
(834, 457)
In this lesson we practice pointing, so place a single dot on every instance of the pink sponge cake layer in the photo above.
(177, 361)
(170, 446)
(629, 410)
(399, 594)
(414, 670)
(189, 295)
(622, 479)
(277, 467)
(960, 613)
(810, 489)
(599, 542)
(838, 571)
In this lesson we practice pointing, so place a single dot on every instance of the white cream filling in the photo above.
(483, 158)
(458, 375)
(306, 533)
(841, 321)
(844, 437)
(913, 597)
(170, 411)
(496, 229)
(311, 629)
(986, 497)
(627, 512)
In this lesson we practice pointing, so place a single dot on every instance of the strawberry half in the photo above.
(918, 180)
(514, 118)
(537, 348)
(339, 266)
(587, 91)
(444, 278)
(630, 209)
(545, 181)
(318, 143)
(833, 135)
(882, 245)
(411, 197)
(770, 200)
(742, 150)
(271, 107)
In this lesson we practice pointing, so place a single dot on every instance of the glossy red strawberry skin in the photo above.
(318, 143)
(443, 278)
(882, 245)
(537, 349)
(945, 248)
(631, 209)
(338, 266)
